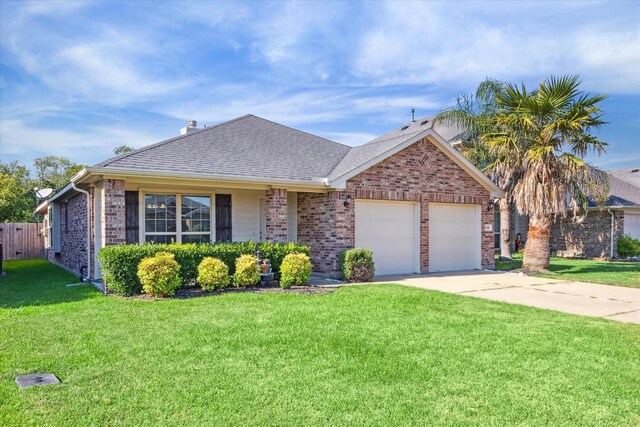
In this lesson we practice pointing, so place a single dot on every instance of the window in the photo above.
(196, 219)
(178, 218)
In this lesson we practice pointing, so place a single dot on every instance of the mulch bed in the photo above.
(186, 293)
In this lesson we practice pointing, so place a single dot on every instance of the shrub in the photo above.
(295, 270)
(159, 274)
(120, 263)
(276, 252)
(357, 265)
(213, 274)
(628, 246)
(247, 271)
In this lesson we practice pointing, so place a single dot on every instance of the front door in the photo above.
(223, 218)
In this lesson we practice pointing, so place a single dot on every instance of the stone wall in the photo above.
(588, 236)
(420, 173)
(73, 234)
(276, 215)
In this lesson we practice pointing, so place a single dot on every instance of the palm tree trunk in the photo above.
(505, 226)
(536, 251)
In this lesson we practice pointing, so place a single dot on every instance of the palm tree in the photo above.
(544, 134)
(474, 115)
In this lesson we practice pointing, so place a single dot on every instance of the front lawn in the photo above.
(584, 270)
(377, 355)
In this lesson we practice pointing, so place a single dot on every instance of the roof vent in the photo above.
(405, 127)
(424, 122)
(191, 127)
(635, 170)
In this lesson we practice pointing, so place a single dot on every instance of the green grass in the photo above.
(584, 270)
(375, 355)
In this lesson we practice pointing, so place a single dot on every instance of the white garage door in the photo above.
(454, 237)
(632, 224)
(390, 230)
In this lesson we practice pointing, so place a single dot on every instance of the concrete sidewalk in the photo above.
(587, 299)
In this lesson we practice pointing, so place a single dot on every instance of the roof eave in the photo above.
(85, 175)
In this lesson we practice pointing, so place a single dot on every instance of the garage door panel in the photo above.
(387, 229)
(454, 237)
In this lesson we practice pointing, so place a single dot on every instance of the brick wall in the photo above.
(588, 237)
(73, 234)
(276, 216)
(420, 173)
(113, 212)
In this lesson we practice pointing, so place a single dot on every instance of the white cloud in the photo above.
(24, 142)
(431, 44)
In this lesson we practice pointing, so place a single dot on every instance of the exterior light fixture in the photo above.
(490, 205)
(347, 201)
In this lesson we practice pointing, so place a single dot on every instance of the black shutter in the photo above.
(132, 223)
(223, 218)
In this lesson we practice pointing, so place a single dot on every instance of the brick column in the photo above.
(276, 215)
(113, 212)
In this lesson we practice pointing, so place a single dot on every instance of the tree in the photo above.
(121, 149)
(544, 134)
(17, 199)
(54, 171)
(474, 114)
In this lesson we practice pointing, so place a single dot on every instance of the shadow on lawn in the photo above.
(38, 282)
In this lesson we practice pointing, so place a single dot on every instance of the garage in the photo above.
(632, 224)
(454, 237)
(391, 230)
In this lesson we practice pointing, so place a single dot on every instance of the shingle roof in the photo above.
(250, 146)
(624, 186)
(245, 146)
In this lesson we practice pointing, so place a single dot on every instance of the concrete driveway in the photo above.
(587, 299)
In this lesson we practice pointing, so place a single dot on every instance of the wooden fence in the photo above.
(21, 240)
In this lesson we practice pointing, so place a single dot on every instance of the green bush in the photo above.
(277, 251)
(628, 246)
(159, 274)
(120, 263)
(295, 270)
(247, 271)
(213, 274)
(357, 265)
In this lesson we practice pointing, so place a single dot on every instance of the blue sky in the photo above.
(79, 78)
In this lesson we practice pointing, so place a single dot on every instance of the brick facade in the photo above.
(588, 237)
(113, 212)
(276, 215)
(73, 234)
(420, 173)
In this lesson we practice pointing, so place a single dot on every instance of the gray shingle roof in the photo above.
(250, 146)
(624, 186)
(245, 146)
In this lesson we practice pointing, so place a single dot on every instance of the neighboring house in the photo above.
(408, 195)
(597, 233)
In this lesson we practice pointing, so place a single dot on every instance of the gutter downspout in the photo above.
(612, 227)
(85, 192)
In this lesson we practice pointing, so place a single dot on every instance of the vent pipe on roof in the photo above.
(413, 115)
(191, 127)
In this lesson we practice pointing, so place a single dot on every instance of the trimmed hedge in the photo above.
(159, 274)
(120, 263)
(247, 271)
(295, 270)
(213, 274)
(357, 265)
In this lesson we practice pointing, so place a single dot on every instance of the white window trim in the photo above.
(178, 233)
